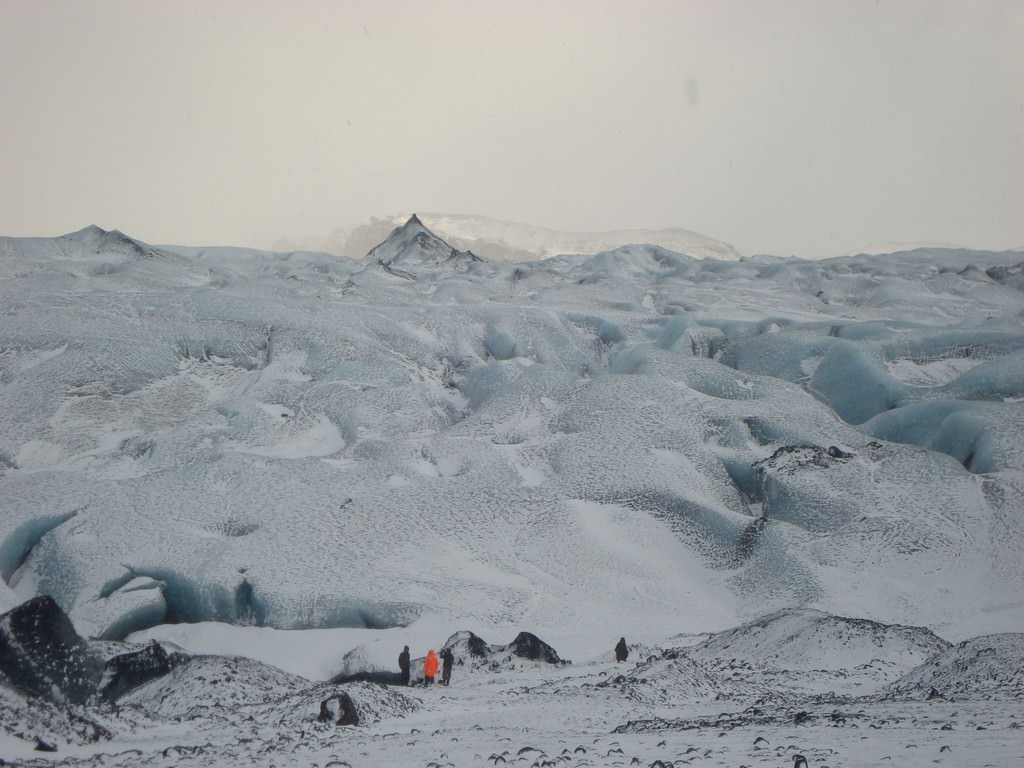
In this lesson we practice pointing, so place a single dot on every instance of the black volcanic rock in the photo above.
(42, 654)
(529, 646)
(339, 709)
(469, 643)
(130, 670)
(469, 646)
(379, 676)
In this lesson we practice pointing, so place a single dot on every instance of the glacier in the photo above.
(306, 440)
(234, 483)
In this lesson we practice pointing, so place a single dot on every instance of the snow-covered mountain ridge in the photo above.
(413, 245)
(500, 240)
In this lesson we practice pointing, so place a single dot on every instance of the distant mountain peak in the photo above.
(91, 230)
(498, 240)
(412, 244)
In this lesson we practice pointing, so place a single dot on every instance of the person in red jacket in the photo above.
(429, 667)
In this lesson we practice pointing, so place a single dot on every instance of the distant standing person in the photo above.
(447, 659)
(403, 664)
(621, 651)
(429, 667)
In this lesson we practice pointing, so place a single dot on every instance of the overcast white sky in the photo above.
(791, 126)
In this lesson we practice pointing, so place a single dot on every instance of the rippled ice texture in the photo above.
(633, 439)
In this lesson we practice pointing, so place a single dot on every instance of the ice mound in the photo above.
(987, 667)
(670, 678)
(812, 640)
(203, 686)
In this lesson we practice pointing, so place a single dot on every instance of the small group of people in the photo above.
(430, 665)
(447, 660)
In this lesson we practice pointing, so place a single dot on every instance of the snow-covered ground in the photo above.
(311, 461)
(841, 692)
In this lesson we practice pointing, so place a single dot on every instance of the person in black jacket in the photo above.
(403, 664)
(621, 651)
(447, 659)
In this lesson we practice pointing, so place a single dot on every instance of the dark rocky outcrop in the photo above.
(43, 655)
(469, 644)
(791, 458)
(413, 244)
(474, 649)
(339, 709)
(529, 646)
(1005, 274)
(130, 670)
(379, 676)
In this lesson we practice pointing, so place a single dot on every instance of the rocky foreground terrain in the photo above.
(838, 691)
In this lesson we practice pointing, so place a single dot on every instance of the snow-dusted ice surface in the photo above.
(218, 447)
